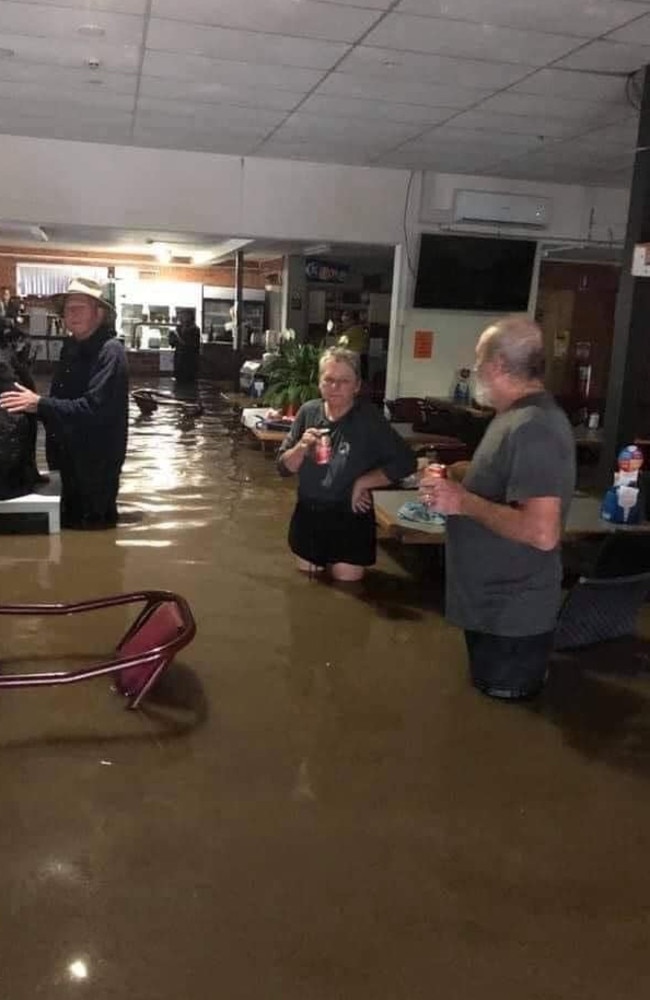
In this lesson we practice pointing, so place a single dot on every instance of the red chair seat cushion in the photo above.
(162, 626)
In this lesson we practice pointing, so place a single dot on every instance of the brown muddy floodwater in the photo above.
(314, 805)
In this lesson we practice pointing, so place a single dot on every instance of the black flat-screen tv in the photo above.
(476, 273)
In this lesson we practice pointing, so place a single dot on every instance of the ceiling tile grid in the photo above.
(537, 87)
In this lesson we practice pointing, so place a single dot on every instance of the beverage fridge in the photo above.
(217, 303)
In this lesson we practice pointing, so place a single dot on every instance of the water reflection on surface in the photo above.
(313, 803)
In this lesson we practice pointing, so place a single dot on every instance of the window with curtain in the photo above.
(52, 279)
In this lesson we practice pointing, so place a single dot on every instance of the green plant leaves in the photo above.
(292, 375)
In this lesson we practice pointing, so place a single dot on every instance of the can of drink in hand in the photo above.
(436, 470)
(323, 450)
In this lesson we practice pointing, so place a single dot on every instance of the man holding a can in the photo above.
(504, 521)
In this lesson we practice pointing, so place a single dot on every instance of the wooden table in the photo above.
(265, 437)
(584, 520)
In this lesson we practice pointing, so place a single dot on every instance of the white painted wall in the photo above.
(577, 213)
(47, 181)
(455, 336)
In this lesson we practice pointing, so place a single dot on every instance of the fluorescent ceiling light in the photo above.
(220, 251)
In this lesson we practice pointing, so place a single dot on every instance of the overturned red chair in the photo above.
(163, 626)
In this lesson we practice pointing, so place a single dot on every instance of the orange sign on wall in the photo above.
(423, 344)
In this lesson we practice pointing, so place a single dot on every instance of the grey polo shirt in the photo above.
(495, 585)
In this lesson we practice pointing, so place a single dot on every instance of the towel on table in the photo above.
(415, 510)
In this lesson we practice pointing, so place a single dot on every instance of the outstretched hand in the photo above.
(19, 400)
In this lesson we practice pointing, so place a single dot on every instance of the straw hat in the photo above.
(85, 286)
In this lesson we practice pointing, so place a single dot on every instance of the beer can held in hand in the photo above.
(432, 472)
(323, 450)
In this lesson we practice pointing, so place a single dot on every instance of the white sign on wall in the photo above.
(641, 261)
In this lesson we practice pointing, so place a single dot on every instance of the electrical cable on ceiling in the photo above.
(407, 201)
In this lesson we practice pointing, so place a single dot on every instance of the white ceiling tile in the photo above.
(461, 38)
(427, 89)
(89, 7)
(451, 137)
(222, 142)
(55, 78)
(72, 131)
(32, 111)
(350, 107)
(62, 22)
(307, 19)
(231, 73)
(608, 57)
(571, 157)
(175, 124)
(637, 33)
(323, 152)
(624, 134)
(558, 83)
(200, 92)
(585, 18)
(91, 96)
(372, 4)
(400, 92)
(391, 66)
(487, 121)
(542, 106)
(361, 130)
(247, 46)
(442, 160)
(72, 52)
(223, 113)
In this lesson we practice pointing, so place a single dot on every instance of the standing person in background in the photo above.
(5, 299)
(505, 520)
(354, 337)
(86, 413)
(333, 524)
(186, 341)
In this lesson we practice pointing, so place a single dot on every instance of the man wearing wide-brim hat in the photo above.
(86, 413)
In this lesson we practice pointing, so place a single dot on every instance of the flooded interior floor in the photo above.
(314, 804)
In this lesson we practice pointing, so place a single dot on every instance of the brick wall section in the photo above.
(7, 273)
(255, 273)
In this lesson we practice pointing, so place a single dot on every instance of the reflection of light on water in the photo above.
(165, 472)
(65, 870)
(171, 525)
(78, 970)
(144, 544)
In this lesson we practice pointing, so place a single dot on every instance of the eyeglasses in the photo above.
(331, 383)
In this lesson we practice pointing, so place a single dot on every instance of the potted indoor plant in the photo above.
(292, 376)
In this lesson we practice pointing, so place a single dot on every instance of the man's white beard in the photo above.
(482, 393)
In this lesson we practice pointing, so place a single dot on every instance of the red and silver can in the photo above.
(435, 471)
(323, 450)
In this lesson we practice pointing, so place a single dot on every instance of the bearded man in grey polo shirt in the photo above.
(505, 519)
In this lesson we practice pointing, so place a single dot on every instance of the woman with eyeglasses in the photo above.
(333, 524)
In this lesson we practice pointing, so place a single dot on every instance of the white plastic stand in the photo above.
(36, 503)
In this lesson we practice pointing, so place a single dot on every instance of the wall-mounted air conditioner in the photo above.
(494, 208)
